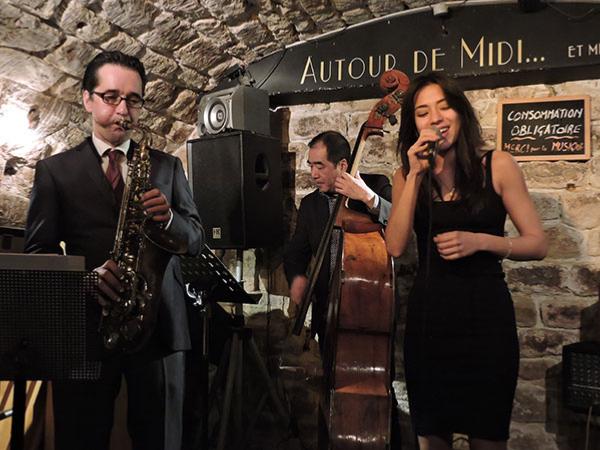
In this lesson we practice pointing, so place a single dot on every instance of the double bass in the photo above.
(357, 401)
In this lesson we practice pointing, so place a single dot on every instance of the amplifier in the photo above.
(581, 376)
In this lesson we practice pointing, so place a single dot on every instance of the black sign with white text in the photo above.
(549, 129)
(485, 44)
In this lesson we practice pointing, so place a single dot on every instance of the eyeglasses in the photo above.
(113, 99)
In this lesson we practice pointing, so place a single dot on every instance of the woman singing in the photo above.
(461, 348)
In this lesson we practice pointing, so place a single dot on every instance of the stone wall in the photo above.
(185, 45)
(44, 44)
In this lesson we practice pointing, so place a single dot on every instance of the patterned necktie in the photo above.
(334, 245)
(113, 174)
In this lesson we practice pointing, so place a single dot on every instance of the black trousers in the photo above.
(84, 410)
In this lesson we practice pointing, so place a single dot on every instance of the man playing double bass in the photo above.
(328, 158)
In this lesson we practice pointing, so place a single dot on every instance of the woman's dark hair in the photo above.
(337, 145)
(468, 174)
(90, 77)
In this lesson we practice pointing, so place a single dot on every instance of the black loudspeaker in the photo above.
(581, 376)
(236, 183)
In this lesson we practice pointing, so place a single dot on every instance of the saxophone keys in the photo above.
(111, 340)
(131, 329)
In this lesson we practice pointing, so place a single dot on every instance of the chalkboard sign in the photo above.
(549, 129)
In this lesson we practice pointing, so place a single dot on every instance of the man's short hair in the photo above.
(90, 77)
(337, 145)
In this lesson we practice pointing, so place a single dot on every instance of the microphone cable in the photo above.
(433, 150)
(424, 301)
(429, 223)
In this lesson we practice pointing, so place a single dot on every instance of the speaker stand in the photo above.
(204, 308)
(242, 341)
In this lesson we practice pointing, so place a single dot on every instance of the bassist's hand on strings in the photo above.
(355, 188)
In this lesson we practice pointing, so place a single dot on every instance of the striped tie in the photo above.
(334, 245)
(113, 174)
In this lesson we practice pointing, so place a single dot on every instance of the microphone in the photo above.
(432, 148)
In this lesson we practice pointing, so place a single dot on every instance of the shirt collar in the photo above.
(102, 146)
(329, 195)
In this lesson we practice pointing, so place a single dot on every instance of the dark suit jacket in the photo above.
(72, 201)
(312, 219)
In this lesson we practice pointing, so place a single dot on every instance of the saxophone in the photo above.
(142, 250)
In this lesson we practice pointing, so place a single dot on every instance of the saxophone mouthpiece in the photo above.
(125, 124)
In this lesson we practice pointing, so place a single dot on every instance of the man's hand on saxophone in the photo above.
(109, 284)
(156, 205)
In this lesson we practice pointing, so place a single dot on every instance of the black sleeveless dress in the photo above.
(461, 349)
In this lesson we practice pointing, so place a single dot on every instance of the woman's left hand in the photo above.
(456, 244)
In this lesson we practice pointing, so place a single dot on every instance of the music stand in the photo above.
(207, 280)
(43, 335)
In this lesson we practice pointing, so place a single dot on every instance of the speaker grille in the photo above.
(215, 116)
(46, 334)
(581, 376)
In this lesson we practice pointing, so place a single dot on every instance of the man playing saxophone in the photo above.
(76, 199)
